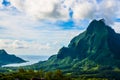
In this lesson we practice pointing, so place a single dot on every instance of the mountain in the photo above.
(6, 58)
(97, 48)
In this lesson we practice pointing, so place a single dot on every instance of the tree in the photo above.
(21, 70)
(58, 75)
(49, 75)
(41, 73)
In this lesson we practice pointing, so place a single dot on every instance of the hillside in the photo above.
(6, 58)
(97, 48)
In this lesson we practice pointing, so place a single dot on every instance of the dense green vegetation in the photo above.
(98, 75)
(22, 74)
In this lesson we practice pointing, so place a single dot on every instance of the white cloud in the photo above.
(42, 9)
(108, 10)
(0, 3)
(13, 44)
(68, 3)
(59, 9)
(19, 26)
(91, 9)
(116, 27)
(84, 9)
(47, 44)
(19, 33)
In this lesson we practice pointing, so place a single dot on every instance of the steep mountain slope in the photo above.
(5, 58)
(96, 48)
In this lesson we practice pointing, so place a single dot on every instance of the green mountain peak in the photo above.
(96, 26)
(88, 42)
(99, 46)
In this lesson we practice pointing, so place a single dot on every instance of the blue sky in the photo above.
(42, 27)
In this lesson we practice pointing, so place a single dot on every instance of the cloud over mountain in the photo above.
(60, 9)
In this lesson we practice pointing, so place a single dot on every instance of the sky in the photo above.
(42, 27)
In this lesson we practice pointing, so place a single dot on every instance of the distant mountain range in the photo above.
(6, 58)
(96, 48)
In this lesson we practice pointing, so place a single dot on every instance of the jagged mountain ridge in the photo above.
(6, 58)
(98, 38)
(96, 47)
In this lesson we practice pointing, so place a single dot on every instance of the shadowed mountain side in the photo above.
(6, 58)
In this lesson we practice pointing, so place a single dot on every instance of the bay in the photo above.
(31, 59)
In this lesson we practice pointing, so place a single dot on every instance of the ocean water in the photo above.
(30, 58)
